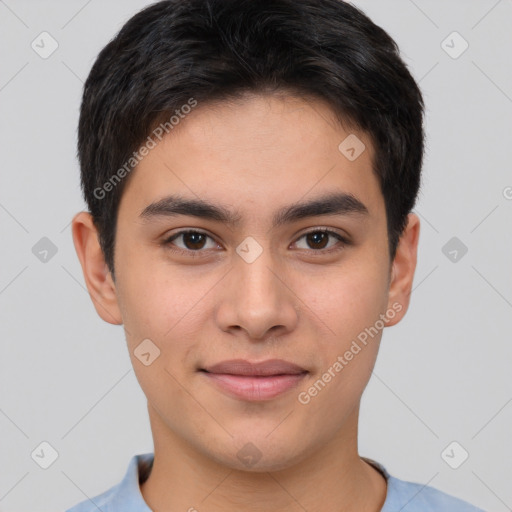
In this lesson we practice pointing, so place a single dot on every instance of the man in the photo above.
(250, 169)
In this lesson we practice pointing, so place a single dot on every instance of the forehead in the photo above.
(256, 154)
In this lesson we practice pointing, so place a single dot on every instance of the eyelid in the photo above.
(325, 229)
(186, 231)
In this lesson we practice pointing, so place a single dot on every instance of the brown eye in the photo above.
(194, 240)
(317, 239)
(320, 239)
(191, 241)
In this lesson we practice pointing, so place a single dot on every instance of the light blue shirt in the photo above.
(401, 495)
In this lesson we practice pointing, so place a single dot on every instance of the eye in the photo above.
(319, 240)
(191, 241)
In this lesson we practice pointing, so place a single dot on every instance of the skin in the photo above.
(254, 156)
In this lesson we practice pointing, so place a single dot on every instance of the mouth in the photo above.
(254, 381)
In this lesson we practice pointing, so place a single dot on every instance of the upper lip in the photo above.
(263, 368)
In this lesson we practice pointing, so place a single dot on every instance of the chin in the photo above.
(258, 454)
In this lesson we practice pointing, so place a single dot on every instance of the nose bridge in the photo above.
(258, 283)
(257, 280)
(256, 299)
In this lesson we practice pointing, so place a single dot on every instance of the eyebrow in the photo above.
(339, 203)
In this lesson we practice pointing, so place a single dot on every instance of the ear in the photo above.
(97, 277)
(402, 272)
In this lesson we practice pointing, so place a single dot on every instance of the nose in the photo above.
(257, 300)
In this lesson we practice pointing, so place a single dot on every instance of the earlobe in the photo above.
(96, 274)
(403, 268)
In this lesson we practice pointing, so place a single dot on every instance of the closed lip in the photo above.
(253, 368)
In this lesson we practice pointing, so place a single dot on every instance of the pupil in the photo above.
(318, 237)
(194, 237)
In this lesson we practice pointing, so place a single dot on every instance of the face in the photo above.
(255, 275)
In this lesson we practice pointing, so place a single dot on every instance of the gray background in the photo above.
(443, 374)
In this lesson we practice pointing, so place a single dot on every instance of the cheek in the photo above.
(146, 291)
(165, 305)
(156, 308)
(345, 300)
(349, 305)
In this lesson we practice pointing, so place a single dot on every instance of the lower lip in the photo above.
(254, 388)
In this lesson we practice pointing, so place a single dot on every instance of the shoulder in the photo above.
(414, 497)
(405, 496)
(125, 496)
(101, 502)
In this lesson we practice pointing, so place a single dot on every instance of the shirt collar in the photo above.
(128, 496)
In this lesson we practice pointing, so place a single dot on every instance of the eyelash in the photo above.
(197, 253)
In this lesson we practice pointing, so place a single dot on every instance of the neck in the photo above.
(332, 477)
